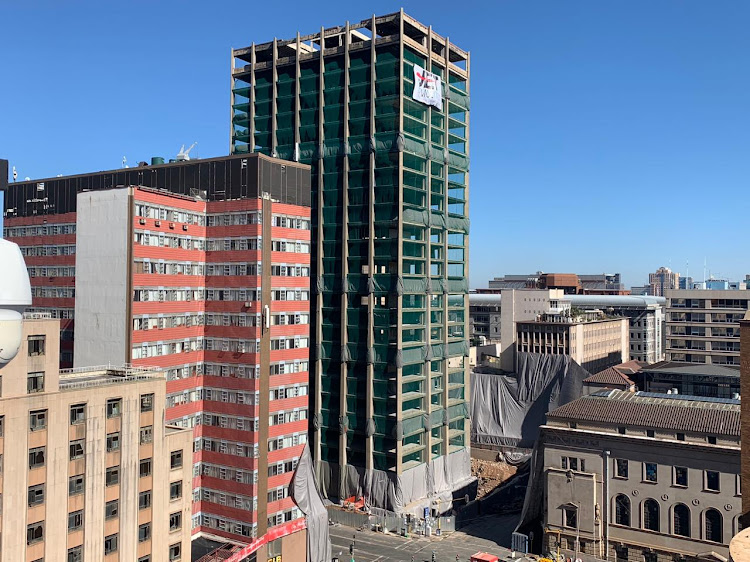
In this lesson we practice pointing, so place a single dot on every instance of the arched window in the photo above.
(651, 515)
(681, 519)
(714, 524)
(622, 510)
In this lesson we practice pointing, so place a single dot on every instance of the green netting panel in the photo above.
(417, 147)
(388, 142)
(458, 160)
(436, 417)
(285, 152)
(458, 223)
(413, 425)
(414, 57)
(333, 79)
(458, 348)
(436, 351)
(458, 285)
(386, 123)
(333, 96)
(458, 411)
(308, 99)
(415, 285)
(459, 98)
(386, 70)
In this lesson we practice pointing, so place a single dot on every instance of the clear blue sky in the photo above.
(606, 135)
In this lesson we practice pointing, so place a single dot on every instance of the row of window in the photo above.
(214, 395)
(293, 246)
(713, 522)
(285, 368)
(169, 241)
(285, 221)
(53, 292)
(225, 473)
(63, 313)
(238, 501)
(167, 213)
(167, 268)
(284, 517)
(217, 522)
(290, 295)
(278, 418)
(48, 250)
(38, 230)
(233, 244)
(146, 350)
(51, 271)
(650, 473)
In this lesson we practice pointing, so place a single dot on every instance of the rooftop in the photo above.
(84, 377)
(610, 376)
(704, 369)
(695, 414)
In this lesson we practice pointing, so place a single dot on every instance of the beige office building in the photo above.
(592, 340)
(89, 470)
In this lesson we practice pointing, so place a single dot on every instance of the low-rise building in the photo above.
(89, 470)
(637, 476)
(591, 339)
(694, 379)
(613, 378)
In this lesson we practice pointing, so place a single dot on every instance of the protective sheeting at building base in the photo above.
(305, 494)
(420, 486)
(508, 409)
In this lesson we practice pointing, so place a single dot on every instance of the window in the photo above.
(680, 476)
(112, 477)
(650, 433)
(35, 532)
(111, 509)
(145, 467)
(621, 553)
(175, 459)
(714, 531)
(175, 552)
(711, 483)
(650, 557)
(114, 407)
(649, 471)
(110, 544)
(36, 495)
(75, 554)
(37, 420)
(680, 437)
(651, 515)
(621, 430)
(113, 442)
(175, 490)
(622, 510)
(681, 520)
(147, 434)
(36, 345)
(146, 558)
(621, 468)
(77, 414)
(75, 520)
(76, 449)
(175, 521)
(147, 402)
(144, 500)
(75, 485)
(35, 382)
(36, 457)
(144, 532)
(711, 440)
(570, 517)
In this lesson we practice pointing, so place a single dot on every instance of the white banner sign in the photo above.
(428, 88)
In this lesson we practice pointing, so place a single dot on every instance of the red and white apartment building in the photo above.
(201, 268)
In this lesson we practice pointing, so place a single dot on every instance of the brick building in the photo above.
(202, 269)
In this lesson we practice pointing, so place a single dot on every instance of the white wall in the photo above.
(102, 298)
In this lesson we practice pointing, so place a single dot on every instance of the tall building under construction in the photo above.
(380, 111)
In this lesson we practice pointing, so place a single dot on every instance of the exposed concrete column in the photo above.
(445, 308)
(370, 411)
(400, 218)
(251, 139)
(317, 436)
(427, 366)
(344, 263)
(274, 93)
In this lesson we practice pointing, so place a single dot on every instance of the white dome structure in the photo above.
(15, 296)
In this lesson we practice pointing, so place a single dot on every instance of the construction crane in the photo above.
(183, 154)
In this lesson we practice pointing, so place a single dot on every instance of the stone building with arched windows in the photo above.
(636, 476)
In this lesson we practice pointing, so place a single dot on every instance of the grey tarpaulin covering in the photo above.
(398, 494)
(508, 409)
(306, 496)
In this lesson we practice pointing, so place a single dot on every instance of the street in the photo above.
(487, 534)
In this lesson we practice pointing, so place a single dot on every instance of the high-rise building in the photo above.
(703, 326)
(202, 269)
(90, 471)
(380, 110)
(664, 279)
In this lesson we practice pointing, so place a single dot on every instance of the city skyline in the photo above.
(657, 123)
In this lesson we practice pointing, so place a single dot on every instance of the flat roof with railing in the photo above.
(102, 375)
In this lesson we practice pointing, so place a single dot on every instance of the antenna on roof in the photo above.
(183, 154)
